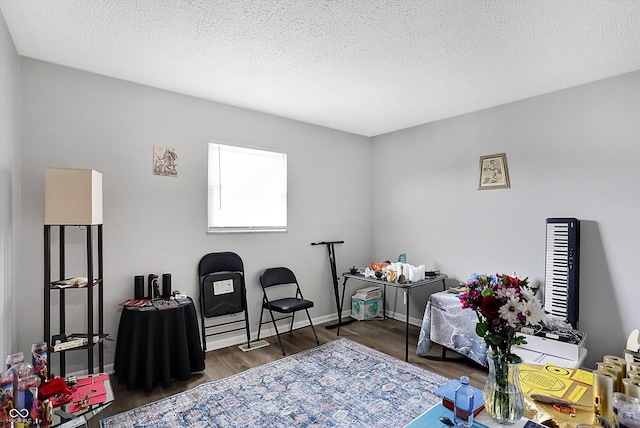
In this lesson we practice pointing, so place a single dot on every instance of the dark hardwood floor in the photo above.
(387, 336)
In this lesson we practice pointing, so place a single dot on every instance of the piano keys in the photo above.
(561, 296)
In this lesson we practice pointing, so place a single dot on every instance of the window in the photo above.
(247, 189)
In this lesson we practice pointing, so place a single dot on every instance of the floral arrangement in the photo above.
(504, 304)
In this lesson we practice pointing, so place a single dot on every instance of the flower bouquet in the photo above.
(504, 304)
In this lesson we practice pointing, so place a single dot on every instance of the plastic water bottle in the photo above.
(463, 404)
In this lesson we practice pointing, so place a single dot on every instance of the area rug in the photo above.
(341, 384)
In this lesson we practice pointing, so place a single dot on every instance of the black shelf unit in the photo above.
(94, 281)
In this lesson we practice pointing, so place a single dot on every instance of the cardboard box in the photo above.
(366, 309)
(555, 347)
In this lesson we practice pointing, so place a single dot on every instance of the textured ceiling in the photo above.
(367, 67)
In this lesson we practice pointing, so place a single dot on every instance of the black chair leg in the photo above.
(312, 327)
(246, 326)
(273, 320)
(293, 314)
(204, 338)
(202, 324)
(260, 324)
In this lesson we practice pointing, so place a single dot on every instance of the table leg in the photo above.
(407, 296)
(344, 285)
(384, 302)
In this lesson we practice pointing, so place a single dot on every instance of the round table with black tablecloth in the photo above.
(156, 346)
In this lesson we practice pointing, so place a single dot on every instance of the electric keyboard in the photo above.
(561, 295)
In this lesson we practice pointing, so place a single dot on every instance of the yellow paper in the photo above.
(577, 393)
(558, 371)
(543, 382)
(583, 376)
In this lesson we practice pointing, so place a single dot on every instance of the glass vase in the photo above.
(503, 397)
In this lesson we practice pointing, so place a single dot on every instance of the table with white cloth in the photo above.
(447, 324)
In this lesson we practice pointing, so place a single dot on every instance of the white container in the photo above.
(555, 347)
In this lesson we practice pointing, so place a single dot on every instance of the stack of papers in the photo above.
(368, 293)
(78, 281)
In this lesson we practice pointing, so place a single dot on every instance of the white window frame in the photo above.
(247, 189)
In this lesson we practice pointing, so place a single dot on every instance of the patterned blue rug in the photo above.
(340, 384)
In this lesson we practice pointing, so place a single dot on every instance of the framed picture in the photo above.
(493, 172)
(165, 161)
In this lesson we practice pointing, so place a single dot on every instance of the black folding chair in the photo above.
(288, 305)
(222, 292)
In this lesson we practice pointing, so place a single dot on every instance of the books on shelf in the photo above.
(69, 344)
(75, 340)
(78, 281)
(96, 338)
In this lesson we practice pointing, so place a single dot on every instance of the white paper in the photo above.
(223, 287)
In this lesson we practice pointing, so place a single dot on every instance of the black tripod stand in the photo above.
(334, 277)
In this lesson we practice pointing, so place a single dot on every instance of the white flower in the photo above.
(532, 310)
(527, 293)
(506, 293)
(509, 311)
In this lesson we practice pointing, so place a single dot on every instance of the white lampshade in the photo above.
(72, 196)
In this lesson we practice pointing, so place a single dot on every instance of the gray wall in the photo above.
(9, 185)
(156, 224)
(571, 153)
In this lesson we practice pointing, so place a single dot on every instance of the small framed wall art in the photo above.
(493, 172)
(165, 161)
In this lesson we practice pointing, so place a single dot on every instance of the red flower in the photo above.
(490, 306)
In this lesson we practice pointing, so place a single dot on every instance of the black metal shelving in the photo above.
(93, 282)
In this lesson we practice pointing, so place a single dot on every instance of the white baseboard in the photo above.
(403, 318)
(268, 330)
